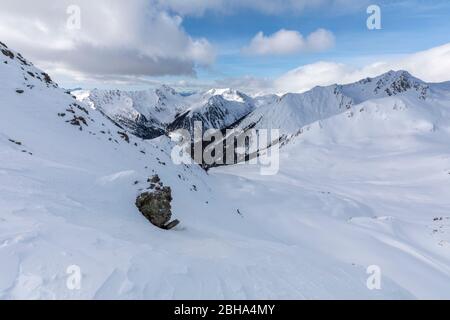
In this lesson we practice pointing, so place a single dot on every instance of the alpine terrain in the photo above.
(363, 184)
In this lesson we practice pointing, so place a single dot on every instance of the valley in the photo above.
(363, 180)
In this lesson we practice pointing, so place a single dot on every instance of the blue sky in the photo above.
(257, 46)
(407, 27)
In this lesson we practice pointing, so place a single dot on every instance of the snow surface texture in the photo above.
(365, 185)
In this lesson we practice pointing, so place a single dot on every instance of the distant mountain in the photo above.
(151, 113)
(363, 179)
(216, 109)
(145, 113)
(392, 83)
(292, 111)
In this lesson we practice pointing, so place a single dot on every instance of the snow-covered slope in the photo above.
(369, 186)
(392, 83)
(357, 189)
(375, 119)
(149, 114)
(69, 178)
(216, 109)
(145, 113)
(293, 111)
(265, 99)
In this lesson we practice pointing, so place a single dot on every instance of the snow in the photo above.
(365, 184)
(216, 109)
(371, 189)
(160, 105)
(293, 111)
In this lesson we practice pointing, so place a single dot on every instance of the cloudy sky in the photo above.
(258, 46)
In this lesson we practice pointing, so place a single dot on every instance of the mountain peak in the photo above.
(227, 94)
(393, 74)
(388, 84)
(396, 82)
(166, 90)
(219, 91)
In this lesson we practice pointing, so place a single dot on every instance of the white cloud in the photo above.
(285, 42)
(431, 65)
(134, 38)
(123, 38)
(320, 40)
(248, 84)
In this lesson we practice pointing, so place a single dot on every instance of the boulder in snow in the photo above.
(156, 207)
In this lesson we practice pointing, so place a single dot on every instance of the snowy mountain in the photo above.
(68, 183)
(145, 113)
(149, 114)
(265, 99)
(363, 182)
(216, 109)
(392, 83)
(293, 111)
(395, 116)
(368, 186)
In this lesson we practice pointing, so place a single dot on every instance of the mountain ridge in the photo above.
(359, 188)
(224, 108)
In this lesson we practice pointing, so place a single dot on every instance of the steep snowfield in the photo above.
(367, 187)
(292, 111)
(353, 191)
(67, 197)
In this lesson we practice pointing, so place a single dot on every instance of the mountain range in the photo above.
(155, 112)
(363, 182)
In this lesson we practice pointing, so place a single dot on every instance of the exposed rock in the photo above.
(77, 121)
(16, 142)
(81, 108)
(155, 179)
(8, 53)
(172, 225)
(124, 136)
(47, 78)
(156, 207)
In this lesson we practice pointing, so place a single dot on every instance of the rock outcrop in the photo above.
(155, 205)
